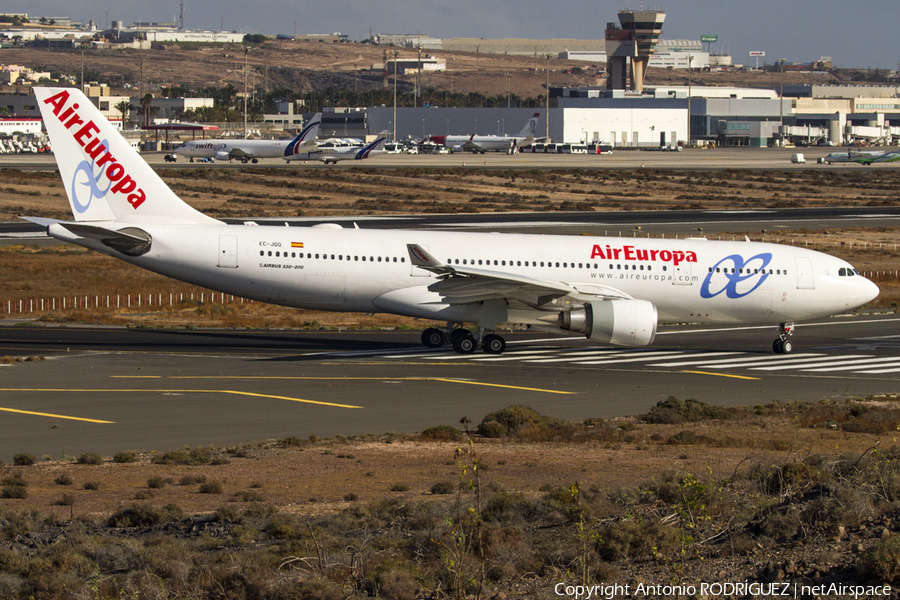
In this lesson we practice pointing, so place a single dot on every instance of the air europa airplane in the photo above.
(613, 291)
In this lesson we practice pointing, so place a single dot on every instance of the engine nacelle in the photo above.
(223, 155)
(618, 322)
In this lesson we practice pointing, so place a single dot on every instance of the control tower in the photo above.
(634, 37)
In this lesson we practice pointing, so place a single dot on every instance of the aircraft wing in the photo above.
(464, 284)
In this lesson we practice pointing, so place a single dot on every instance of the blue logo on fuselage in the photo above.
(92, 182)
(741, 271)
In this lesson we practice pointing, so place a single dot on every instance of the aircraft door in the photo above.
(228, 251)
(805, 278)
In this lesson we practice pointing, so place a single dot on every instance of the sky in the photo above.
(855, 33)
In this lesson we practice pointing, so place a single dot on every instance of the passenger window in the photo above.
(270, 253)
(263, 253)
(518, 263)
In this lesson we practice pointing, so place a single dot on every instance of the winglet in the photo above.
(420, 257)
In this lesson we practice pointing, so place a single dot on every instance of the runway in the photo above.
(625, 158)
(111, 389)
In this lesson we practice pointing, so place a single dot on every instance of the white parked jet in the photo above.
(612, 290)
(331, 154)
(495, 143)
(252, 150)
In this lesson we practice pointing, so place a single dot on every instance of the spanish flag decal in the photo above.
(296, 244)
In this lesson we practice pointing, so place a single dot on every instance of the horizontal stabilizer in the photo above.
(130, 241)
(42, 221)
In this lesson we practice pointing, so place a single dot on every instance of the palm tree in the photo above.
(124, 107)
(147, 107)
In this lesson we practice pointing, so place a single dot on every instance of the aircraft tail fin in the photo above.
(530, 126)
(376, 147)
(305, 138)
(105, 178)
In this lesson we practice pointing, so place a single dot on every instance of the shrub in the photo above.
(64, 479)
(493, 429)
(211, 487)
(16, 492)
(23, 460)
(144, 515)
(399, 487)
(192, 479)
(674, 411)
(442, 488)
(194, 456)
(882, 561)
(124, 457)
(91, 485)
(89, 458)
(518, 419)
(156, 483)
(247, 496)
(443, 433)
(65, 500)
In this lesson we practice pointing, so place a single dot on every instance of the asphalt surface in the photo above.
(111, 389)
(688, 159)
(626, 224)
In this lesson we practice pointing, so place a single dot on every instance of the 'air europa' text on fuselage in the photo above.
(631, 253)
(96, 149)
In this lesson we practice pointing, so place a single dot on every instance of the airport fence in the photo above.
(24, 306)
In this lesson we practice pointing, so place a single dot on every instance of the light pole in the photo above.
(508, 91)
(396, 54)
(690, 61)
(246, 52)
(548, 99)
(781, 104)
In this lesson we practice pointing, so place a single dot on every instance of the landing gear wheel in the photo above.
(464, 342)
(782, 346)
(493, 344)
(433, 338)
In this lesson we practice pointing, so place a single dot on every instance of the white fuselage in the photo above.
(224, 149)
(370, 271)
(480, 143)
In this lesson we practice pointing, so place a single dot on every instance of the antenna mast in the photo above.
(181, 17)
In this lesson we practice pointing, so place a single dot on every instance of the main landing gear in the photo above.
(463, 340)
(783, 344)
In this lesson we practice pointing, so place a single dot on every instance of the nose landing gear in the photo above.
(783, 344)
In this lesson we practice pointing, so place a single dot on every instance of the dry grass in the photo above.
(359, 191)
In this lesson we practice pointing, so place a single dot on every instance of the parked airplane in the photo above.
(496, 143)
(863, 157)
(332, 154)
(252, 150)
(612, 290)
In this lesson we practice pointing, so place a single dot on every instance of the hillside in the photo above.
(315, 66)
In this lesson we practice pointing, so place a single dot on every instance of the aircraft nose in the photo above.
(868, 290)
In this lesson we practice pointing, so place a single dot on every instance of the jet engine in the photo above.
(618, 322)
(223, 155)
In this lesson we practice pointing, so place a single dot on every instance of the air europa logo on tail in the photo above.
(643, 254)
(120, 182)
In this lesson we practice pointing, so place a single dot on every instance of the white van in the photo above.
(798, 159)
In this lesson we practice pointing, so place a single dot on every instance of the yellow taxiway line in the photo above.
(155, 391)
(53, 416)
(721, 375)
(323, 378)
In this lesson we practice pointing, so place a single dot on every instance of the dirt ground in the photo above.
(319, 476)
